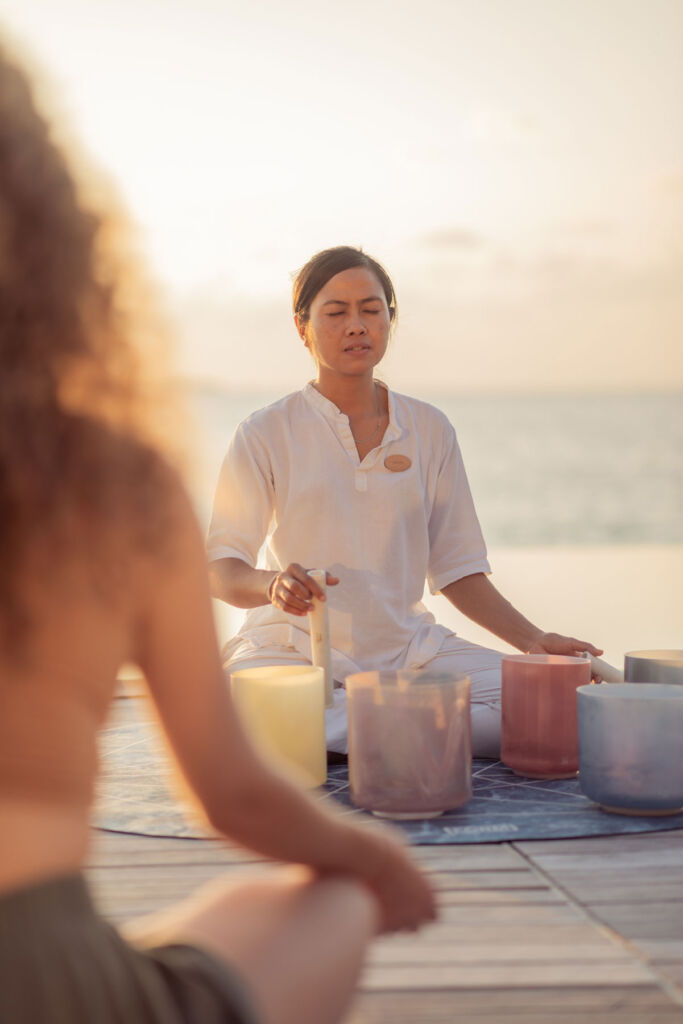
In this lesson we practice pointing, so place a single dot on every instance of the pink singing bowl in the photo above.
(539, 729)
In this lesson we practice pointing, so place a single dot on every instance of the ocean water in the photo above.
(545, 470)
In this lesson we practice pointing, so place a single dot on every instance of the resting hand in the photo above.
(293, 590)
(555, 643)
(405, 896)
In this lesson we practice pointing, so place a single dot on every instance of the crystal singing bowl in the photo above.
(282, 707)
(653, 667)
(539, 736)
(631, 747)
(410, 751)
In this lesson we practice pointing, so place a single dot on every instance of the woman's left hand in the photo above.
(555, 643)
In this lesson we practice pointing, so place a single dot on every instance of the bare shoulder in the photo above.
(179, 535)
(148, 503)
(146, 529)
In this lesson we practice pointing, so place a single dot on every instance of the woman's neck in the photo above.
(354, 396)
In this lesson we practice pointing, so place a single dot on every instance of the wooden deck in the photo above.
(559, 932)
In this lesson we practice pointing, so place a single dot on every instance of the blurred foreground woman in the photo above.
(103, 563)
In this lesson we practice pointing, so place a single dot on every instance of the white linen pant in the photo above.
(481, 664)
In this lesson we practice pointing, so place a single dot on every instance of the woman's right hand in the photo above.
(406, 898)
(293, 590)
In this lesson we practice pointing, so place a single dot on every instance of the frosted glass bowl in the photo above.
(282, 708)
(653, 667)
(631, 747)
(410, 751)
(539, 730)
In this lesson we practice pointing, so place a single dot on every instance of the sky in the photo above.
(517, 165)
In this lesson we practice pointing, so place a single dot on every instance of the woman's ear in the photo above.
(301, 330)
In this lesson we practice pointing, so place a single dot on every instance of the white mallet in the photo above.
(608, 673)
(320, 635)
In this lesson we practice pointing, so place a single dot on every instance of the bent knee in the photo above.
(351, 900)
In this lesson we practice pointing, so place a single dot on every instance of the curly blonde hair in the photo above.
(80, 415)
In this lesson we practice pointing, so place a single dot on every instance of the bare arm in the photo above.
(242, 796)
(237, 583)
(477, 598)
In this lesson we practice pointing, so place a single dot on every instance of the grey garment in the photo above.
(61, 963)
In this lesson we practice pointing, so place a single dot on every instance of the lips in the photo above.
(357, 348)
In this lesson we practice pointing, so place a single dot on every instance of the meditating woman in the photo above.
(349, 476)
(103, 563)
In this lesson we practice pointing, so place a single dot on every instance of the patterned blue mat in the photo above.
(134, 795)
(505, 807)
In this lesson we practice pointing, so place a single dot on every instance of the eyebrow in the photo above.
(341, 302)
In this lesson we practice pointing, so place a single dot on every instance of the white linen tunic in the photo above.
(292, 478)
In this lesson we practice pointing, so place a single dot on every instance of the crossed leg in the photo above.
(481, 664)
(298, 941)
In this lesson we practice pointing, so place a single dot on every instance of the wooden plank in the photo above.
(640, 921)
(641, 858)
(126, 893)
(466, 1004)
(552, 915)
(595, 893)
(512, 934)
(483, 897)
(116, 848)
(617, 884)
(673, 972)
(164, 882)
(662, 949)
(508, 915)
(371, 1008)
(470, 998)
(605, 846)
(503, 879)
(502, 975)
(423, 951)
(480, 857)
(451, 881)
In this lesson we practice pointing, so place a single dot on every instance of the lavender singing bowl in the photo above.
(653, 667)
(410, 753)
(630, 747)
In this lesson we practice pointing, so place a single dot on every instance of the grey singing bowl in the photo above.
(631, 746)
(653, 667)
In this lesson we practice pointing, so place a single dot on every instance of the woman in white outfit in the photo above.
(369, 484)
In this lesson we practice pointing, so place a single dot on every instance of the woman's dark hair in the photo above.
(324, 266)
(79, 433)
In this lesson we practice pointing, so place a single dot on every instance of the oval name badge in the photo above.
(397, 463)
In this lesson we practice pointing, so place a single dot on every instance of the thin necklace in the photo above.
(362, 440)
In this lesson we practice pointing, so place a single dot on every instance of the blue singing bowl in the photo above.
(631, 747)
(653, 667)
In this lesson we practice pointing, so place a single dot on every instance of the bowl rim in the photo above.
(547, 659)
(413, 677)
(270, 673)
(662, 655)
(632, 691)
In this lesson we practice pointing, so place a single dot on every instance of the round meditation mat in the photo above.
(135, 795)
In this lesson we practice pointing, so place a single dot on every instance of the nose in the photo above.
(356, 326)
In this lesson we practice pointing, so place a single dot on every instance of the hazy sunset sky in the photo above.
(516, 164)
